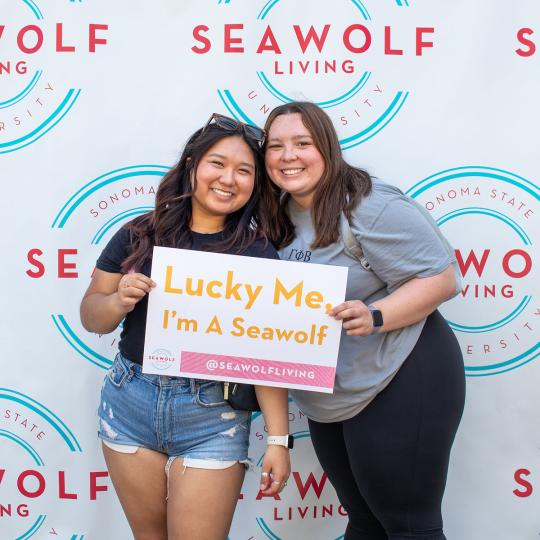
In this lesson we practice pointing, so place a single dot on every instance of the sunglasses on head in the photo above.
(230, 124)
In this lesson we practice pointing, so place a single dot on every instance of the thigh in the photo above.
(201, 502)
(400, 444)
(333, 454)
(140, 482)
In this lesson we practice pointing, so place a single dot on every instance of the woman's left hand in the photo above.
(276, 467)
(356, 317)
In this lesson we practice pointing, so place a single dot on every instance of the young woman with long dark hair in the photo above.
(176, 451)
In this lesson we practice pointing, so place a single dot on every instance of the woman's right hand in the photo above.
(132, 287)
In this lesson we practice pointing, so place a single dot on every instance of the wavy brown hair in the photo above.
(340, 188)
(169, 224)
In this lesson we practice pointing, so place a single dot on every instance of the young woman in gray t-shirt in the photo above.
(384, 436)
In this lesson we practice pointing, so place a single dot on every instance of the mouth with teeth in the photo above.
(221, 193)
(291, 172)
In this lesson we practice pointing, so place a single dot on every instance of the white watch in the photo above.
(281, 440)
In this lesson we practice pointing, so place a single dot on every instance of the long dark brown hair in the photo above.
(169, 224)
(339, 189)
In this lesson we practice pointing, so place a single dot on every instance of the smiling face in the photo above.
(292, 160)
(225, 178)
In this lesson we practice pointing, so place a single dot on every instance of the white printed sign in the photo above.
(243, 319)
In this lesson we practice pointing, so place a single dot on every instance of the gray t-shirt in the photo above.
(399, 244)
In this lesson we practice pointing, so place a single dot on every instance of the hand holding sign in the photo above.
(243, 319)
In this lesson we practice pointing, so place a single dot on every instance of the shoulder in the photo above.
(383, 199)
(261, 248)
(115, 251)
(121, 240)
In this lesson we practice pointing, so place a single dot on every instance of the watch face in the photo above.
(290, 442)
(377, 317)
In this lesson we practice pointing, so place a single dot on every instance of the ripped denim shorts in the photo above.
(176, 416)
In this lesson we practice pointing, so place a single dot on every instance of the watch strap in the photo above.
(280, 440)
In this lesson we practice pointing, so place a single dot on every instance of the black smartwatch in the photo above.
(377, 317)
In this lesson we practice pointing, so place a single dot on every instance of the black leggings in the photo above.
(389, 463)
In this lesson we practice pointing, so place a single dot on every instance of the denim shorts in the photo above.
(176, 416)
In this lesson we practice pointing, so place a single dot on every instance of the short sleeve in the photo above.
(399, 243)
(115, 252)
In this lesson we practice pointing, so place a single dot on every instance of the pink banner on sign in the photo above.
(194, 363)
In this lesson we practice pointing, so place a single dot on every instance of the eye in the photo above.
(274, 146)
(245, 171)
(304, 143)
(216, 162)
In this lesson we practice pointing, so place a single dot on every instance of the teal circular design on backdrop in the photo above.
(483, 173)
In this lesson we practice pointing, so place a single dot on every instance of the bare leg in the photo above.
(140, 482)
(202, 501)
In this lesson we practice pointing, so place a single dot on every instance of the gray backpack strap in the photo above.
(354, 250)
(352, 247)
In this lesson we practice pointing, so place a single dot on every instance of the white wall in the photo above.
(85, 137)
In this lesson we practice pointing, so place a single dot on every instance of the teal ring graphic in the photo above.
(26, 446)
(400, 3)
(104, 180)
(24, 92)
(349, 142)
(508, 177)
(34, 528)
(493, 326)
(233, 107)
(378, 125)
(478, 172)
(271, 3)
(51, 418)
(117, 219)
(48, 124)
(488, 212)
(271, 535)
(526, 240)
(509, 365)
(322, 104)
(35, 9)
(78, 345)
(54, 421)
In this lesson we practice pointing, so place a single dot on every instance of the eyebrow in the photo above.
(294, 138)
(221, 156)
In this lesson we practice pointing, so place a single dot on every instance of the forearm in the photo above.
(275, 408)
(101, 313)
(415, 300)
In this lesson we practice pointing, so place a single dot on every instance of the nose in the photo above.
(227, 177)
(288, 153)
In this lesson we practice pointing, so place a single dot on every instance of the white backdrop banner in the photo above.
(96, 100)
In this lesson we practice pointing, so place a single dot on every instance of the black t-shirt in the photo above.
(118, 249)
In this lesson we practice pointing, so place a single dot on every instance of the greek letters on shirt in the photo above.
(299, 255)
